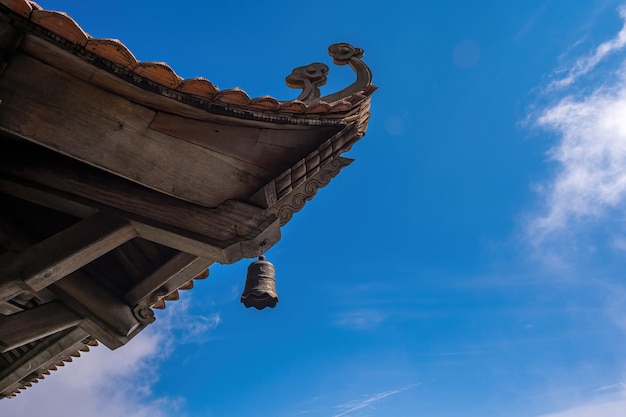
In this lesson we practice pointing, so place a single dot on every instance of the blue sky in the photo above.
(469, 263)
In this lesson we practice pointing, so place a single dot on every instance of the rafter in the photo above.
(36, 323)
(52, 259)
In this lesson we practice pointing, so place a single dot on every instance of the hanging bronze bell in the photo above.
(260, 289)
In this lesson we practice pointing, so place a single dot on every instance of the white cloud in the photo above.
(101, 383)
(588, 188)
(368, 401)
(105, 383)
(584, 65)
(591, 151)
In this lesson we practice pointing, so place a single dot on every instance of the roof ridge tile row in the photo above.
(116, 52)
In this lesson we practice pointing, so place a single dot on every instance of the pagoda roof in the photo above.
(121, 182)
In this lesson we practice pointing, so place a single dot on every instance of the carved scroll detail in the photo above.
(308, 189)
(346, 54)
(310, 77)
(143, 310)
(144, 314)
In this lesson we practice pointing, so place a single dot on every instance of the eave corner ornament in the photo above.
(311, 77)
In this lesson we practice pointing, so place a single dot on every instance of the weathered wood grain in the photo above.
(57, 174)
(95, 302)
(182, 268)
(46, 262)
(111, 133)
(263, 152)
(235, 221)
(34, 324)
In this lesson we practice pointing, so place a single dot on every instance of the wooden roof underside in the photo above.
(120, 183)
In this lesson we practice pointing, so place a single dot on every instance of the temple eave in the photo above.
(121, 182)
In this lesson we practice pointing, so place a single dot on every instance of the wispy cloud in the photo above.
(588, 188)
(189, 327)
(611, 408)
(352, 406)
(585, 64)
(361, 319)
(591, 151)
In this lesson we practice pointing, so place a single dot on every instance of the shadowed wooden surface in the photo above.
(121, 183)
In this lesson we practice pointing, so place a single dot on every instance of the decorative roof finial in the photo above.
(309, 78)
(313, 76)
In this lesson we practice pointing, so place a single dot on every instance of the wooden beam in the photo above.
(47, 171)
(234, 220)
(52, 259)
(182, 268)
(36, 323)
(113, 317)
(8, 308)
(46, 199)
(180, 241)
(40, 358)
(257, 245)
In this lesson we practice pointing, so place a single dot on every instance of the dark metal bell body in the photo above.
(260, 289)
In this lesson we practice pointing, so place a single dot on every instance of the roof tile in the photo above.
(113, 50)
(159, 72)
(198, 86)
(294, 106)
(234, 96)
(20, 7)
(61, 24)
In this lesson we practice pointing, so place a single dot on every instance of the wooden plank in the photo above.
(54, 258)
(7, 308)
(29, 325)
(111, 133)
(263, 152)
(182, 268)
